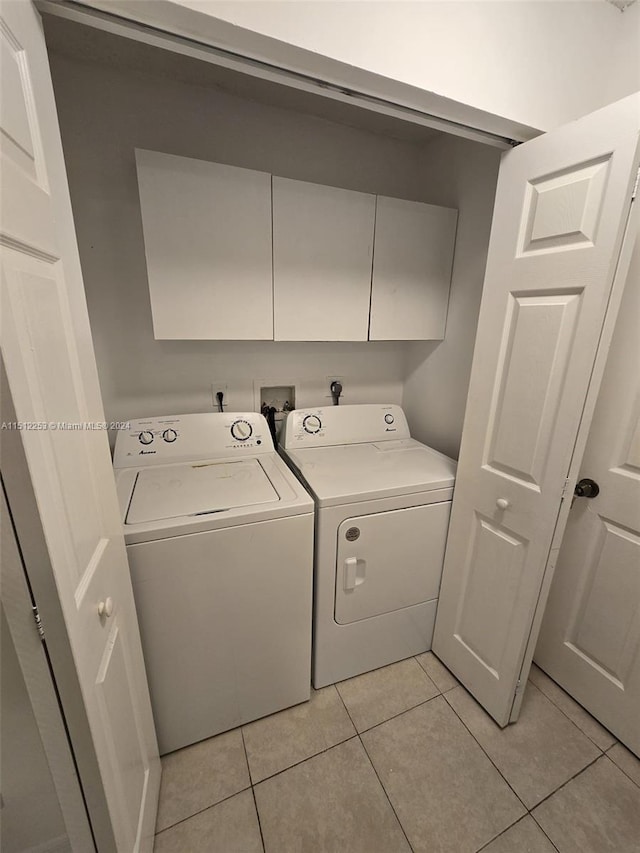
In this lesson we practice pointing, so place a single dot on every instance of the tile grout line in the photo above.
(200, 811)
(393, 717)
(344, 740)
(246, 755)
(375, 771)
(302, 760)
(253, 792)
(575, 776)
(562, 711)
(509, 785)
(564, 784)
(537, 822)
(442, 692)
(520, 819)
(622, 770)
(224, 799)
(543, 831)
(528, 810)
(381, 783)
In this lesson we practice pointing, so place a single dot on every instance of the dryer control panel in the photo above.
(181, 438)
(332, 425)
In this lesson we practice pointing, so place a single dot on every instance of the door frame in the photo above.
(189, 32)
(604, 344)
(31, 651)
(34, 554)
(169, 33)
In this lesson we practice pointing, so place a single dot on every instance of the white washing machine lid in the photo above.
(198, 489)
(358, 472)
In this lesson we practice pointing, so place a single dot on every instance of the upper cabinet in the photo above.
(322, 251)
(234, 254)
(207, 237)
(411, 270)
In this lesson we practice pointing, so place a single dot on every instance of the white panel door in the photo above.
(207, 239)
(47, 350)
(562, 205)
(411, 270)
(590, 636)
(322, 249)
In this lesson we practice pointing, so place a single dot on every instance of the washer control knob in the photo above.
(388, 418)
(241, 430)
(145, 437)
(312, 424)
(169, 435)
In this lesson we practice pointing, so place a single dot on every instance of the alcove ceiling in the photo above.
(622, 4)
(90, 44)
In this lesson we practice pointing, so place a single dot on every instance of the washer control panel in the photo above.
(177, 438)
(332, 425)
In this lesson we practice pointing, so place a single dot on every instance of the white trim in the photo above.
(172, 29)
(17, 606)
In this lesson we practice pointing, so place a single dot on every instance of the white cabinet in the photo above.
(411, 270)
(234, 254)
(207, 236)
(322, 248)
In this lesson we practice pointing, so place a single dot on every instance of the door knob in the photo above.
(105, 608)
(586, 488)
(502, 503)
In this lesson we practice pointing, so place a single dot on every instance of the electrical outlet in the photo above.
(334, 378)
(220, 385)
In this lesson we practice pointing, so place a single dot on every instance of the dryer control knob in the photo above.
(312, 424)
(388, 418)
(145, 437)
(169, 435)
(241, 430)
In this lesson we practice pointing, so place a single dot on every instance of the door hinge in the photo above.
(519, 686)
(38, 621)
(635, 186)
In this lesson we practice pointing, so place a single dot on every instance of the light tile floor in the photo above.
(403, 759)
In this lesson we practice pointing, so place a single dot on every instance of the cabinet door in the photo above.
(411, 270)
(207, 237)
(322, 247)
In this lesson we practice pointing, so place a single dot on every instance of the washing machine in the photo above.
(383, 502)
(219, 535)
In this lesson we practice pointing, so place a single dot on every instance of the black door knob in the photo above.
(586, 488)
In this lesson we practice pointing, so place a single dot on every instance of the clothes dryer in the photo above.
(383, 502)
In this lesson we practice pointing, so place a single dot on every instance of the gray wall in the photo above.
(106, 113)
(459, 174)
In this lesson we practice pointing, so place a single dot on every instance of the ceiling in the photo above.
(90, 44)
(622, 4)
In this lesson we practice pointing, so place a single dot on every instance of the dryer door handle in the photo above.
(354, 571)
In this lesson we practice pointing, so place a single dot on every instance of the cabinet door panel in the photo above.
(207, 236)
(411, 270)
(322, 247)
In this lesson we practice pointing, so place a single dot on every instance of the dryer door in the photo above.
(389, 560)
